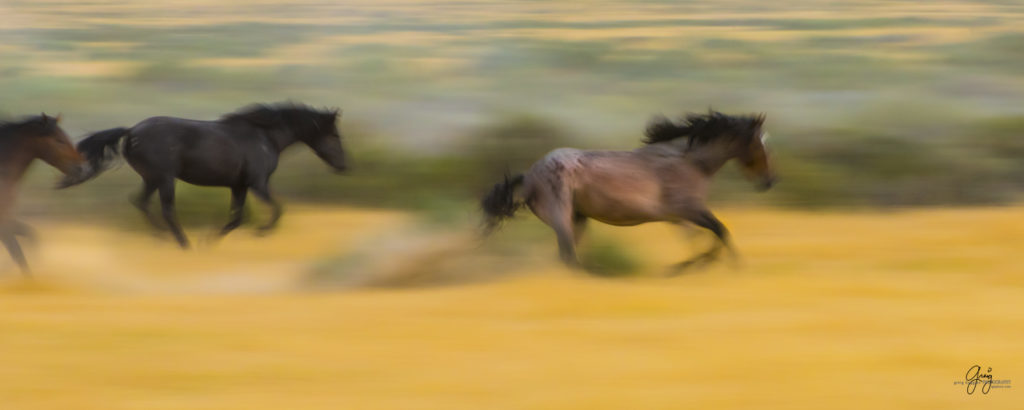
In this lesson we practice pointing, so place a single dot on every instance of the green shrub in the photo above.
(604, 257)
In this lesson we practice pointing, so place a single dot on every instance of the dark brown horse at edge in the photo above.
(667, 179)
(22, 142)
(239, 151)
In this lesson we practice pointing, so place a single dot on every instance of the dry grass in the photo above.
(832, 310)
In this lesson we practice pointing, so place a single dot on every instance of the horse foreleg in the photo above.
(170, 216)
(11, 243)
(237, 209)
(707, 220)
(263, 193)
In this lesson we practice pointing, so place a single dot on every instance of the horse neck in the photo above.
(14, 161)
(709, 158)
(281, 139)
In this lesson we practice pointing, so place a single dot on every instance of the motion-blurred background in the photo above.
(876, 109)
(870, 102)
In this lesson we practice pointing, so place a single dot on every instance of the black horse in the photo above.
(239, 151)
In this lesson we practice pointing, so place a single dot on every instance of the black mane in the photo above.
(36, 124)
(300, 118)
(701, 128)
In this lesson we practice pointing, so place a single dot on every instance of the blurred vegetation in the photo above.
(606, 257)
(907, 105)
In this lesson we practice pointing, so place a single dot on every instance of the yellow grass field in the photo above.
(829, 310)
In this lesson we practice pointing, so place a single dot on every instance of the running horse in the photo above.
(239, 151)
(666, 179)
(21, 143)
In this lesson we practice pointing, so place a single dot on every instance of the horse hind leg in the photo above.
(141, 202)
(170, 216)
(566, 242)
(556, 212)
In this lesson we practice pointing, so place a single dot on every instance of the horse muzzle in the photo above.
(339, 168)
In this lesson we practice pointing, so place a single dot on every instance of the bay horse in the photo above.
(239, 151)
(21, 143)
(666, 179)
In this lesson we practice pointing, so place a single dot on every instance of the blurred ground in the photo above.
(857, 310)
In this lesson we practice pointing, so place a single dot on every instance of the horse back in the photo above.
(579, 169)
(198, 152)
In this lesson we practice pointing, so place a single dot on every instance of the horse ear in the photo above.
(760, 118)
(337, 113)
(57, 118)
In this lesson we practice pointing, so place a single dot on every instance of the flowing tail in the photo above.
(100, 150)
(501, 203)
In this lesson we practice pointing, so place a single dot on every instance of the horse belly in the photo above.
(212, 162)
(619, 202)
(211, 172)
